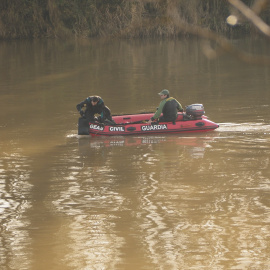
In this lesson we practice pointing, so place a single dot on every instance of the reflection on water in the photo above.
(201, 218)
(15, 244)
(194, 145)
(90, 193)
(114, 196)
(198, 201)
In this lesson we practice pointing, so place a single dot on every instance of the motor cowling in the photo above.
(195, 110)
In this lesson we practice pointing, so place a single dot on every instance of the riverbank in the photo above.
(63, 19)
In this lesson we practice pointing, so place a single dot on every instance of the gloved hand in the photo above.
(99, 119)
(81, 112)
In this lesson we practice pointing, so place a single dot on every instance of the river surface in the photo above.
(199, 201)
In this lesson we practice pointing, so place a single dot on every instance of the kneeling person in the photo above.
(94, 105)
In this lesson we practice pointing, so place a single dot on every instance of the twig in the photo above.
(251, 15)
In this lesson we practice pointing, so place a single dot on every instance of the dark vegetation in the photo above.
(111, 18)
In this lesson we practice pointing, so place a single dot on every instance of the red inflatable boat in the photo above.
(193, 120)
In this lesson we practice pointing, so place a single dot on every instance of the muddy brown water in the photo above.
(184, 201)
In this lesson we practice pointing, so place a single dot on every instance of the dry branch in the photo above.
(251, 15)
(225, 44)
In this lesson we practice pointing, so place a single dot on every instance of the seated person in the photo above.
(169, 106)
(94, 105)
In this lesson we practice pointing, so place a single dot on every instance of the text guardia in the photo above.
(153, 127)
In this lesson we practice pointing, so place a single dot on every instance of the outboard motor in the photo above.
(196, 111)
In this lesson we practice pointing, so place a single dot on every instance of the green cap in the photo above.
(164, 92)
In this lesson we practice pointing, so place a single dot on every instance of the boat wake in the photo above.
(244, 127)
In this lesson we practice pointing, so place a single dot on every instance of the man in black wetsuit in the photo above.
(94, 105)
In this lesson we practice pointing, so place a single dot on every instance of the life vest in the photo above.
(170, 109)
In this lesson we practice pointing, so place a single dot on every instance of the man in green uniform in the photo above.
(169, 106)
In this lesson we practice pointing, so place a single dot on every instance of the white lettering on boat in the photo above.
(116, 129)
(96, 127)
(153, 127)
